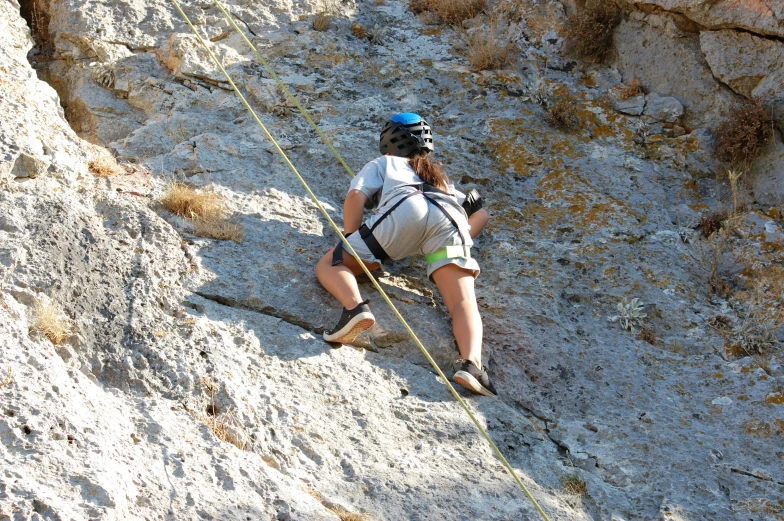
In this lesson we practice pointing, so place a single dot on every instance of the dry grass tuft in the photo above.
(574, 485)
(188, 202)
(103, 164)
(322, 21)
(712, 223)
(630, 90)
(743, 134)
(7, 380)
(648, 335)
(344, 515)
(449, 12)
(591, 27)
(359, 31)
(561, 112)
(722, 324)
(487, 49)
(222, 230)
(50, 321)
(225, 425)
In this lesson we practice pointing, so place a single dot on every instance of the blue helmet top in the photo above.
(406, 134)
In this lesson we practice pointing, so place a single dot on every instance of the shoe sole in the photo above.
(469, 382)
(356, 326)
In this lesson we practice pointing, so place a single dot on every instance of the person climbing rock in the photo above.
(419, 213)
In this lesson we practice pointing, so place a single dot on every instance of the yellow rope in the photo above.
(286, 90)
(364, 268)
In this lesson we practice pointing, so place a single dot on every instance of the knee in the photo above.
(323, 264)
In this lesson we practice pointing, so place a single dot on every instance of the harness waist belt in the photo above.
(457, 251)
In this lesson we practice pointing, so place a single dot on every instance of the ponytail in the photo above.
(428, 170)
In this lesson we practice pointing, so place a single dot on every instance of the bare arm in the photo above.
(353, 209)
(477, 221)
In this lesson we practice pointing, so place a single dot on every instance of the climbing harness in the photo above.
(350, 249)
(447, 252)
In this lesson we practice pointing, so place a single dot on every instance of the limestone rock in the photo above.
(663, 108)
(633, 106)
(741, 60)
(763, 18)
(27, 166)
(668, 61)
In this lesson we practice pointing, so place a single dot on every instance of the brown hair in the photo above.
(428, 170)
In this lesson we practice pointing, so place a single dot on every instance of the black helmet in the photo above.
(405, 134)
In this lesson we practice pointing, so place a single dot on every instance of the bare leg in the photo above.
(341, 281)
(457, 289)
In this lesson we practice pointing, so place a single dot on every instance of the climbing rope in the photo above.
(285, 89)
(375, 282)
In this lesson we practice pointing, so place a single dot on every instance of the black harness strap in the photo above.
(367, 233)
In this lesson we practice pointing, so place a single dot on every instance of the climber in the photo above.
(419, 212)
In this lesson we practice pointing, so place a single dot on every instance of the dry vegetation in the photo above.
(743, 134)
(359, 31)
(561, 112)
(574, 485)
(7, 379)
(205, 208)
(712, 223)
(591, 27)
(450, 12)
(103, 164)
(488, 49)
(50, 321)
(630, 90)
(647, 334)
(322, 21)
(222, 230)
(225, 425)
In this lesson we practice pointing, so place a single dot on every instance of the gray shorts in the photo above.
(417, 227)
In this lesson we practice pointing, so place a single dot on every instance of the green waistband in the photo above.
(449, 252)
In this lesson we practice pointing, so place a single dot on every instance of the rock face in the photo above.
(192, 382)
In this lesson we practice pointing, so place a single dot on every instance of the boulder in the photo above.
(663, 108)
(633, 106)
(760, 17)
(741, 60)
(669, 61)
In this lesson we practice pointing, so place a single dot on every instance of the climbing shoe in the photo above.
(352, 323)
(475, 379)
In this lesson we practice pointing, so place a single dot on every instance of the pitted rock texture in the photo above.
(193, 382)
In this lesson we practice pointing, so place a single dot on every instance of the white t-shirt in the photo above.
(392, 176)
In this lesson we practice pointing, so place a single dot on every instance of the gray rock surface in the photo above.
(763, 17)
(193, 383)
(665, 109)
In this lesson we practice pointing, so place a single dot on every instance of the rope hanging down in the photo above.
(285, 89)
(376, 284)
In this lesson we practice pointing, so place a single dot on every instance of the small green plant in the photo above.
(376, 34)
(629, 314)
(743, 134)
(591, 27)
(757, 333)
(539, 90)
